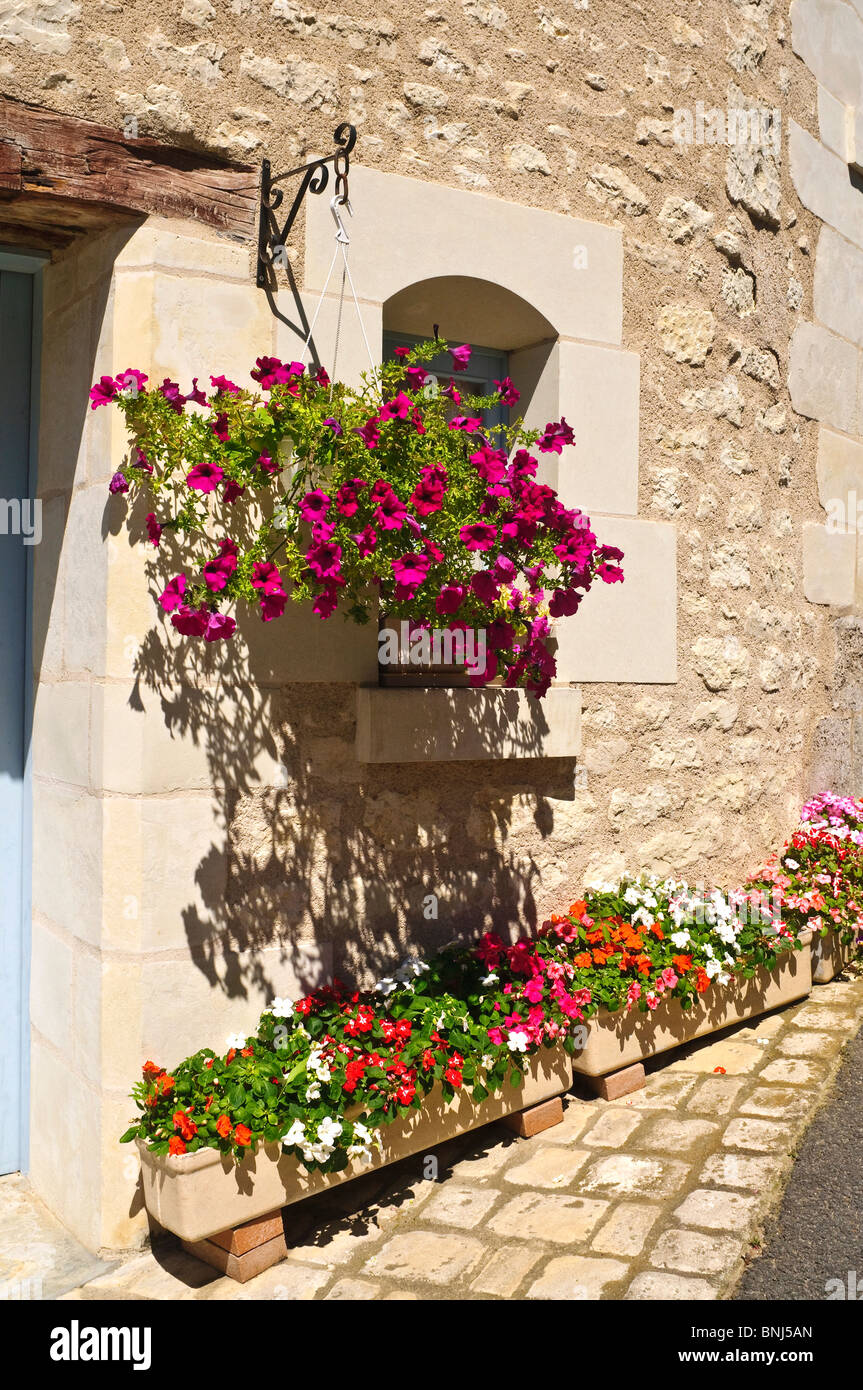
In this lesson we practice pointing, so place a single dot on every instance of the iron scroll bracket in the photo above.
(272, 240)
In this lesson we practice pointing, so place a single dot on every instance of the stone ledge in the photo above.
(418, 725)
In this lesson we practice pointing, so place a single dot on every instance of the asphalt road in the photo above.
(817, 1234)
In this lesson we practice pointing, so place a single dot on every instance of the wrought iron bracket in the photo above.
(272, 240)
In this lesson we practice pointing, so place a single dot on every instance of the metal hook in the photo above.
(335, 204)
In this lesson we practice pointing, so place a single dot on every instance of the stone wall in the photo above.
(260, 851)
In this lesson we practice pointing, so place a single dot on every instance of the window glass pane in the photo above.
(486, 366)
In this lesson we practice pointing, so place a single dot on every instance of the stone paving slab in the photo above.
(659, 1195)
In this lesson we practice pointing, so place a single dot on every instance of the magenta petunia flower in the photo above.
(469, 423)
(173, 594)
(326, 603)
(365, 540)
(489, 463)
(401, 352)
(416, 377)
(273, 605)
(118, 483)
(231, 492)
(450, 599)
(348, 496)
(504, 569)
(219, 426)
(480, 536)
(485, 586)
(397, 409)
(507, 392)
(369, 433)
(555, 435)
(154, 530)
(334, 426)
(410, 573)
(219, 626)
(104, 391)
(222, 384)
(191, 622)
(428, 495)
(173, 395)
(499, 635)
(266, 577)
(269, 372)
(132, 378)
(141, 462)
(218, 571)
(314, 506)
(196, 394)
(267, 464)
(460, 357)
(205, 477)
(325, 559)
(563, 603)
(451, 391)
(609, 574)
(390, 512)
(322, 377)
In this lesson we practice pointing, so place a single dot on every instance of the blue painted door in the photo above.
(16, 337)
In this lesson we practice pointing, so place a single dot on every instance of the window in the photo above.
(486, 366)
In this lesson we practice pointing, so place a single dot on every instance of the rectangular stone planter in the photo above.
(829, 956)
(617, 1040)
(200, 1194)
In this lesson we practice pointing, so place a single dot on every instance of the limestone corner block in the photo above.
(838, 287)
(599, 398)
(821, 180)
(839, 470)
(829, 563)
(833, 125)
(404, 231)
(823, 377)
(626, 632)
(183, 247)
(419, 725)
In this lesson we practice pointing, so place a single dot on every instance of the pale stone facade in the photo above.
(211, 830)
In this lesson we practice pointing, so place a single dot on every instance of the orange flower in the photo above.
(644, 965)
(719, 1070)
(242, 1135)
(150, 1069)
(594, 936)
(682, 964)
(223, 1126)
(702, 981)
(176, 1145)
(578, 909)
(602, 955)
(657, 931)
(582, 961)
(187, 1127)
(167, 1084)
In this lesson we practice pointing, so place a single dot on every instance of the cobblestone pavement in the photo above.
(660, 1195)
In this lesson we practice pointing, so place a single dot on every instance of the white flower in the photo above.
(296, 1134)
(314, 1091)
(281, 1008)
(712, 968)
(487, 1062)
(386, 985)
(679, 939)
(237, 1041)
(517, 1041)
(410, 968)
(362, 1133)
(328, 1130)
(491, 979)
(791, 864)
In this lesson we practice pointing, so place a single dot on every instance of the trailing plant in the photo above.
(392, 497)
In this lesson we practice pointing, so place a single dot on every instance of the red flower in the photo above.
(428, 1059)
(223, 1126)
(176, 1145)
(242, 1135)
(702, 981)
(187, 1127)
(150, 1069)
(453, 1076)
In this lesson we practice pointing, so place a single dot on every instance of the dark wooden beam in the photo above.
(49, 156)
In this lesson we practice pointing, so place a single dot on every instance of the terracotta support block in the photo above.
(239, 1267)
(535, 1118)
(239, 1240)
(618, 1083)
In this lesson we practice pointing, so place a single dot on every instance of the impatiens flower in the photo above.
(118, 483)
(281, 1008)
(508, 394)
(333, 425)
(410, 572)
(555, 436)
(314, 506)
(242, 1136)
(104, 391)
(176, 1145)
(205, 477)
(479, 536)
(173, 594)
(369, 433)
(365, 540)
(219, 627)
(460, 357)
(224, 1127)
(154, 530)
(222, 384)
(517, 1041)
